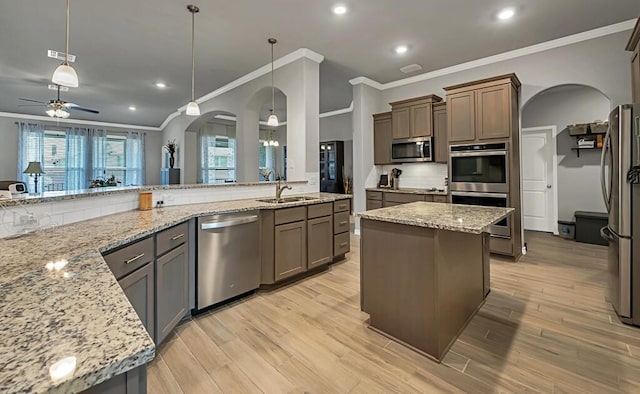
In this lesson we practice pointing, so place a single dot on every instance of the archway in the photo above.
(577, 171)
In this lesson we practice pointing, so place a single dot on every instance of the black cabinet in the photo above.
(331, 166)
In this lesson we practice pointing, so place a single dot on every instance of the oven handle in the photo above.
(474, 194)
(476, 154)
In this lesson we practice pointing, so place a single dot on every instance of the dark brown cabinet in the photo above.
(331, 166)
(319, 241)
(341, 227)
(139, 287)
(172, 290)
(482, 110)
(413, 118)
(634, 46)
(441, 150)
(290, 249)
(382, 137)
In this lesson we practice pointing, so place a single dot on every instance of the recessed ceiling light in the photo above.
(132, 108)
(161, 85)
(400, 49)
(339, 10)
(505, 14)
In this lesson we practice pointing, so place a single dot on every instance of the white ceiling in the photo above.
(123, 46)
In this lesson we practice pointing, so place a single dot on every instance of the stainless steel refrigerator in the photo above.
(621, 152)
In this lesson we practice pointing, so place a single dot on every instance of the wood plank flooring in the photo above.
(545, 327)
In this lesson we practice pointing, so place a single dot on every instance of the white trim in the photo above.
(545, 46)
(554, 165)
(233, 119)
(347, 110)
(264, 70)
(78, 121)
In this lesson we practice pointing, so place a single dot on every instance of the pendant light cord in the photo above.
(272, 84)
(66, 51)
(193, 56)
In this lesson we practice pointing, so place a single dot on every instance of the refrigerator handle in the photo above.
(603, 181)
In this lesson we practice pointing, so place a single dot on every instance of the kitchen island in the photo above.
(425, 270)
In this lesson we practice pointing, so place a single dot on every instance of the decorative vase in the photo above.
(172, 161)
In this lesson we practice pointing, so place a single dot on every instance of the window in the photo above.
(218, 159)
(55, 160)
(116, 161)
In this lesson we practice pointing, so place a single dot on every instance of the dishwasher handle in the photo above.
(229, 223)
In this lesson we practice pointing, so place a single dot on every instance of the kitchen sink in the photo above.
(288, 199)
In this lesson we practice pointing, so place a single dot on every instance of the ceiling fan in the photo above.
(57, 108)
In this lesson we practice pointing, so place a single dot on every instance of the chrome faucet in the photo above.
(280, 189)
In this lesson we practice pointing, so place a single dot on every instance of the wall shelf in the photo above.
(591, 136)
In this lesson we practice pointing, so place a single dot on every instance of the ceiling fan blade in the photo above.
(33, 101)
(33, 105)
(78, 108)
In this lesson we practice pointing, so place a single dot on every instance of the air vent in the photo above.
(55, 87)
(411, 68)
(60, 56)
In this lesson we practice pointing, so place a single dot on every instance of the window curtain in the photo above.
(207, 161)
(76, 176)
(97, 153)
(134, 175)
(30, 148)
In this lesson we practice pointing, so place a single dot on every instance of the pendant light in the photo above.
(65, 75)
(273, 119)
(192, 107)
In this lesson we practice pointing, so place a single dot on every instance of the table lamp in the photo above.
(35, 169)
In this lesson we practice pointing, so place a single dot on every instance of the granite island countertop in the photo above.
(79, 310)
(434, 192)
(453, 217)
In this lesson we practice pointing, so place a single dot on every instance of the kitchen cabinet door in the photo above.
(320, 241)
(493, 112)
(290, 249)
(374, 204)
(139, 287)
(382, 136)
(440, 142)
(401, 122)
(421, 123)
(635, 76)
(461, 119)
(172, 290)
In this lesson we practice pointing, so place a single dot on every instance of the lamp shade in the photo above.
(51, 112)
(273, 120)
(34, 167)
(193, 109)
(65, 75)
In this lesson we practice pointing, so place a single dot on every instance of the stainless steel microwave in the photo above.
(479, 168)
(412, 150)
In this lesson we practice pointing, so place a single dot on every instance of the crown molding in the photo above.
(545, 46)
(347, 110)
(78, 121)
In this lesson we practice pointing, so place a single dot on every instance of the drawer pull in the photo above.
(177, 237)
(131, 260)
(342, 245)
(343, 223)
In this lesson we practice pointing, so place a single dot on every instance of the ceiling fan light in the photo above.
(276, 143)
(193, 109)
(61, 113)
(273, 120)
(65, 75)
(51, 112)
(265, 143)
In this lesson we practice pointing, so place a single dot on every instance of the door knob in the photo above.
(548, 186)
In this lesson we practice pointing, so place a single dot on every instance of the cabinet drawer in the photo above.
(319, 210)
(501, 245)
(171, 238)
(403, 197)
(388, 204)
(342, 206)
(130, 258)
(341, 244)
(429, 197)
(437, 198)
(290, 215)
(374, 195)
(373, 204)
(341, 222)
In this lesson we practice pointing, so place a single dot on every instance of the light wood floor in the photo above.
(545, 328)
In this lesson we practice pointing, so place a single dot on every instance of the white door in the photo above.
(538, 196)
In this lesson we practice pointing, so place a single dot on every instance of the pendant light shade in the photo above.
(192, 107)
(273, 118)
(65, 75)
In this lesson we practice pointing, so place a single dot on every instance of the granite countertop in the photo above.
(79, 310)
(408, 191)
(453, 217)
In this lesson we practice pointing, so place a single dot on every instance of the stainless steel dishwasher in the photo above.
(228, 261)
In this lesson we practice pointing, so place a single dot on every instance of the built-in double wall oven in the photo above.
(480, 176)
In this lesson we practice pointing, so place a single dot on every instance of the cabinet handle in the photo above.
(343, 244)
(343, 223)
(131, 260)
(177, 237)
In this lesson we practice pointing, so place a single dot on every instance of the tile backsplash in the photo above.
(418, 175)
